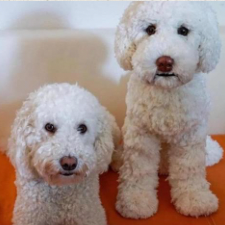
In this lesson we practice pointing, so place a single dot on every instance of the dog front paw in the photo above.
(136, 203)
(197, 203)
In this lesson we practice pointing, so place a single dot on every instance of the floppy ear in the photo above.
(124, 45)
(18, 150)
(210, 45)
(107, 140)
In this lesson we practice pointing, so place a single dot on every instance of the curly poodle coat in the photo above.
(61, 140)
(167, 46)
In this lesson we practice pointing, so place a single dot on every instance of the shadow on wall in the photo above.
(41, 20)
(43, 57)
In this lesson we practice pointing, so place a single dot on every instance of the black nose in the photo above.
(68, 163)
(165, 64)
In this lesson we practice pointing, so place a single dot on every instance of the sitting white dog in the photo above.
(167, 45)
(61, 140)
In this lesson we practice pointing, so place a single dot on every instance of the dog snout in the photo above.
(68, 163)
(164, 64)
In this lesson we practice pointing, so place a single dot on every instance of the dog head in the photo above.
(166, 43)
(61, 134)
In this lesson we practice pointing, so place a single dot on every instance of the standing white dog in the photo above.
(167, 45)
(61, 140)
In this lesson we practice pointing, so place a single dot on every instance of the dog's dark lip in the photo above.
(67, 174)
(166, 75)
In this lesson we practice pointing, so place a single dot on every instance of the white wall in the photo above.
(72, 15)
(30, 58)
(52, 15)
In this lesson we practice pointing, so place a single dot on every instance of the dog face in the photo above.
(61, 134)
(166, 43)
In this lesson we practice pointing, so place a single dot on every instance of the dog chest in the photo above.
(164, 112)
(169, 119)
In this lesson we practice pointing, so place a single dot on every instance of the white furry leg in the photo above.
(214, 152)
(27, 214)
(91, 217)
(137, 196)
(190, 191)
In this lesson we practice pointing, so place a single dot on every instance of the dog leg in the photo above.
(95, 216)
(99, 218)
(137, 197)
(190, 190)
(25, 216)
(30, 209)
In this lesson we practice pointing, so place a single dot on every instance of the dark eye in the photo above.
(50, 128)
(82, 128)
(183, 31)
(150, 30)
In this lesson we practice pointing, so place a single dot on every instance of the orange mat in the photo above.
(166, 214)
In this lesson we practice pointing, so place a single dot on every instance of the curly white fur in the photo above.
(44, 195)
(167, 110)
